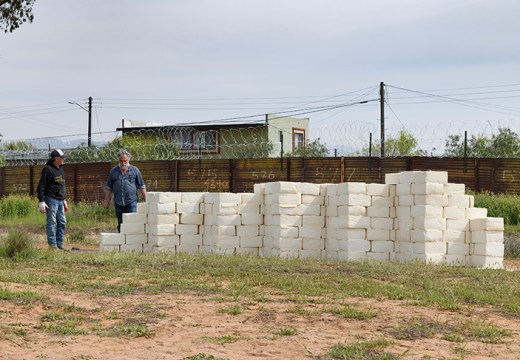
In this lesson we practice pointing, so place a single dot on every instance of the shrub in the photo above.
(500, 205)
(17, 244)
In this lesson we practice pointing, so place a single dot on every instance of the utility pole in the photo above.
(382, 105)
(89, 142)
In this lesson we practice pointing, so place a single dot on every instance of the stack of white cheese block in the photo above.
(414, 216)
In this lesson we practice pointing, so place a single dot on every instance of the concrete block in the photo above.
(351, 234)
(283, 198)
(163, 240)
(138, 248)
(352, 188)
(454, 189)
(476, 213)
(403, 235)
(351, 256)
(227, 242)
(354, 245)
(487, 236)
(314, 210)
(332, 190)
(165, 229)
(429, 248)
(316, 221)
(250, 241)
(252, 219)
(308, 188)
(422, 223)
(457, 225)
(376, 234)
(287, 220)
(313, 232)
(136, 239)
(248, 251)
(132, 228)
(378, 211)
(454, 213)
(313, 244)
(227, 198)
(142, 208)
(332, 211)
(460, 201)
(403, 189)
(312, 200)
(454, 236)
(431, 177)
(169, 197)
(380, 190)
(392, 178)
(281, 209)
(225, 209)
(486, 262)
(403, 211)
(192, 197)
(163, 219)
(345, 210)
(487, 249)
(382, 201)
(427, 235)
(355, 200)
(185, 229)
(280, 187)
(354, 222)
(427, 189)
(404, 247)
(427, 211)
(193, 219)
(381, 246)
(188, 208)
(191, 240)
(489, 223)
(287, 243)
(227, 220)
(111, 239)
(259, 188)
(251, 198)
(282, 232)
(405, 200)
(152, 197)
(251, 208)
(109, 248)
(407, 177)
(428, 258)
(404, 224)
(248, 230)
(157, 208)
(220, 230)
(135, 218)
(381, 223)
(436, 200)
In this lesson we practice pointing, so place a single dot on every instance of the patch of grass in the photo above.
(22, 297)
(484, 332)
(367, 350)
(350, 312)
(202, 356)
(287, 331)
(222, 340)
(231, 310)
(506, 206)
(17, 206)
(417, 328)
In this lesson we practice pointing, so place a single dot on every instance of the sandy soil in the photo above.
(192, 324)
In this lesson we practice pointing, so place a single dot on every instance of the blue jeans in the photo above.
(56, 221)
(123, 209)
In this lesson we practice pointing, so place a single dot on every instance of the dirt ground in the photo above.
(193, 325)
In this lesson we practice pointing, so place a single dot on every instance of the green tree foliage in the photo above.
(505, 144)
(252, 150)
(18, 145)
(14, 13)
(404, 144)
(314, 148)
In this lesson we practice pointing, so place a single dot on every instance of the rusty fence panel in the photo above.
(85, 182)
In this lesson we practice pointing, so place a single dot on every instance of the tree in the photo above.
(504, 144)
(18, 145)
(14, 13)
(404, 144)
(311, 149)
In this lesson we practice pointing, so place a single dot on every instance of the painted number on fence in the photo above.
(263, 175)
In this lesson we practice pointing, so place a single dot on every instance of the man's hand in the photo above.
(65, 205)
(42, 206)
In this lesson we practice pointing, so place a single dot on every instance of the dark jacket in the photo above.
(52, 182)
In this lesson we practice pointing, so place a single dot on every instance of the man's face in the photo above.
(123, 162)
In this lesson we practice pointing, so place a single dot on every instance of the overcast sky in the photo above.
(449, 65)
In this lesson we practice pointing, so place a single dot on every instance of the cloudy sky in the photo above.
(449, 66)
